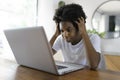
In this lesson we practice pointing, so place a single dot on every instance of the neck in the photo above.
(77, 40)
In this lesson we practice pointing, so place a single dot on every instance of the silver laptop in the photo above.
(31, 48)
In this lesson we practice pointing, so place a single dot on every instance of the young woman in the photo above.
(72, 39)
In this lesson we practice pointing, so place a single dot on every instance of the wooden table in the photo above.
(10, 70)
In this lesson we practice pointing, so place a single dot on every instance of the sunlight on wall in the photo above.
(45, 17)
(17, 13)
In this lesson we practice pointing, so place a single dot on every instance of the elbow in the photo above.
(54, 51)
(95, 63)
(94, 67)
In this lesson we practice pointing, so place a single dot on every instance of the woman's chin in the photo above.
(68, 40)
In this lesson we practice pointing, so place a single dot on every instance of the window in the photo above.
(15, 14)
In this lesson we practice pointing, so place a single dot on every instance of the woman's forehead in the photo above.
(66, 24)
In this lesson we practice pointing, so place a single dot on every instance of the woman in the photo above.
(73, 40)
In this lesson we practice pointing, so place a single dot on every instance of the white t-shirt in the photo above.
(77, 53)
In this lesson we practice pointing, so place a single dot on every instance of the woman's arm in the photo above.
(93, 56)
(57, 33)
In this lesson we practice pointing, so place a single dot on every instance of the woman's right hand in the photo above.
(57, 33)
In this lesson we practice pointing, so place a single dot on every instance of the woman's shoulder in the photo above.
(93, 36)
(60, 38)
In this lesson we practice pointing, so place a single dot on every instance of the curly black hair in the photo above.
(69, 12)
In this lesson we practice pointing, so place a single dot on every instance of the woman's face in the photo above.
(69, 32)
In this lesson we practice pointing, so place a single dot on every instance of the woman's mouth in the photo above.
(68, 39)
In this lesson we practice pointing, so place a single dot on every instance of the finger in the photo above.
(58, 27)
(57, 24)
(76, 22)
(82, 19)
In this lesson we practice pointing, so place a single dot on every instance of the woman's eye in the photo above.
(69, 30)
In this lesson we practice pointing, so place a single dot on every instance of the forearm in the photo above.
(93, 56)
(52, 42)
(57, 33)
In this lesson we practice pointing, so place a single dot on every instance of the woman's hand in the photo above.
(81, 25)
(57, 33)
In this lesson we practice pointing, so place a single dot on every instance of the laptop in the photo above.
(31, 49)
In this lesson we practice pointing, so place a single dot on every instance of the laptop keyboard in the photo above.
(61, 67)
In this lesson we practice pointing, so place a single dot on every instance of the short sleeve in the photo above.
(57, 44)
(96, 42)
(102, 64)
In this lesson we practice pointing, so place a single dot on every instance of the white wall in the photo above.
(111, 46)
(45, 16)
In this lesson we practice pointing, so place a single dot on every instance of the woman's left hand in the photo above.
(81, 25)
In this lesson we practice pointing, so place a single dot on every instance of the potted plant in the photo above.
(61, 3)
(94, 31)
